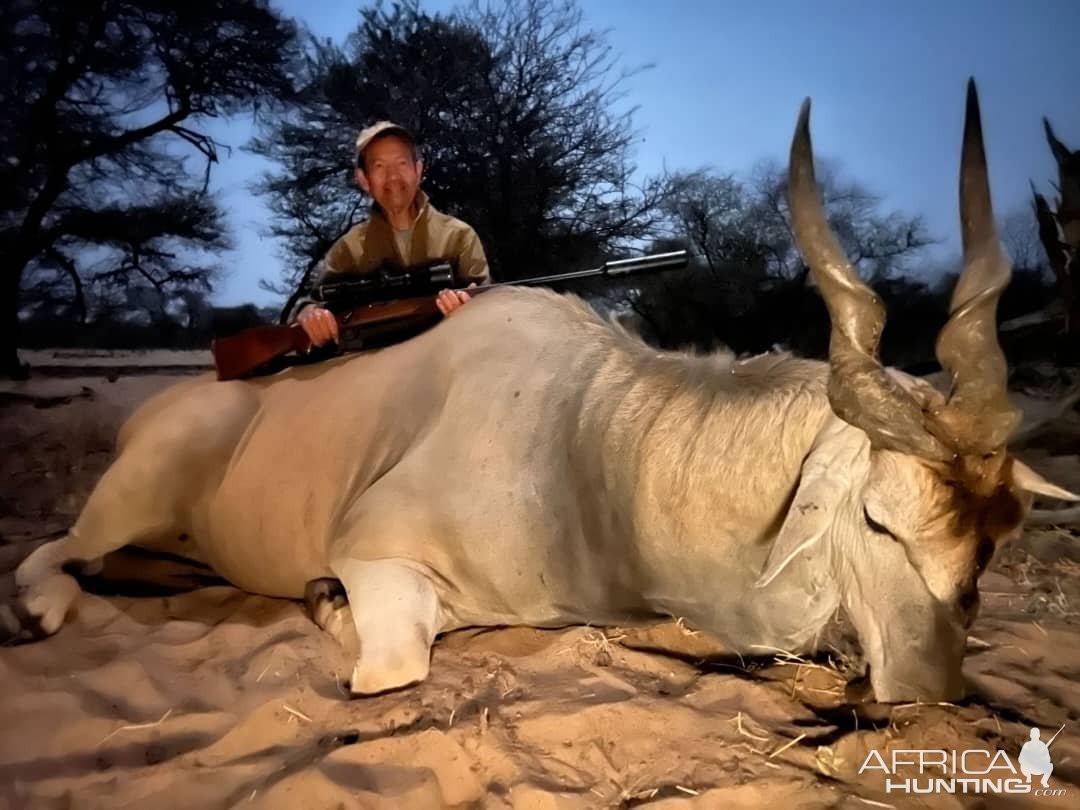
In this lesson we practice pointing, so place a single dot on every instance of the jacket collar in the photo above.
(423, 208)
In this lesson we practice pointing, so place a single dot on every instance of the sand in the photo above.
(171, 689)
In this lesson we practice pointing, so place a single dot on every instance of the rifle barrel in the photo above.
(615, 267)
(241, 354)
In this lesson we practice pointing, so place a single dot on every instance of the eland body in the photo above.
(525, 462)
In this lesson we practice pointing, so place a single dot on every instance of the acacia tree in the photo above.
(99, 108)
(712, 214)
(877, 244)
(514, 105)
(748, 286)
(1020, 238)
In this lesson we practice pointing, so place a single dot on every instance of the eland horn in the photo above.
(860, 391)
(978, 415)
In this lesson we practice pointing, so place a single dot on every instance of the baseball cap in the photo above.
(377, 130)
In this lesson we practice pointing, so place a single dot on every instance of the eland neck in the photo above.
(695, 459)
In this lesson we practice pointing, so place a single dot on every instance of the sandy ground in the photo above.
(169, 689)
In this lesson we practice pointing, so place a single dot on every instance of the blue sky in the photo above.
(887, 82)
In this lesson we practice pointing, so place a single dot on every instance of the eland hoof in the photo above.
(369, 679)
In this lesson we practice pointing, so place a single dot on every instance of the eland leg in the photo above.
(395, 610)
(119, 511)
(328, 606)
(169, 453)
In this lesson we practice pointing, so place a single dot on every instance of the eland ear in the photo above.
(824, 483)
(1028, 480)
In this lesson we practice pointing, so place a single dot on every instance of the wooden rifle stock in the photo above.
(239, 355)
(243, 354)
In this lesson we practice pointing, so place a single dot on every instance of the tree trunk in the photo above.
(10, 367)
(1070, 352)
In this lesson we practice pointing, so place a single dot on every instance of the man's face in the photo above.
(390, 173)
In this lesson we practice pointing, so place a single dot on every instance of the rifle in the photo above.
(384, 298)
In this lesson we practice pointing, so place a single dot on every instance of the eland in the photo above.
(526, 462)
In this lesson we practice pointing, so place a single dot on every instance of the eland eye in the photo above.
(876, 527)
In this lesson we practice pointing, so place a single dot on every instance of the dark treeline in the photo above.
(112, 240)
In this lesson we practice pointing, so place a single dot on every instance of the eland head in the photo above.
(941, 482)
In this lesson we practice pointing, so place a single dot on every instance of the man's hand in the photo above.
(319, 324)
(449, 300)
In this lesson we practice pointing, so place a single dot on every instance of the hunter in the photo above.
(403, 229)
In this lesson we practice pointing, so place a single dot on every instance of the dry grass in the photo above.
(594, 647)
(135, 727)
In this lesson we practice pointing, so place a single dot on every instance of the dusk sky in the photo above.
(887, 82)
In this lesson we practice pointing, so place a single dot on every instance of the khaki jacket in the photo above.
(368, 244)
